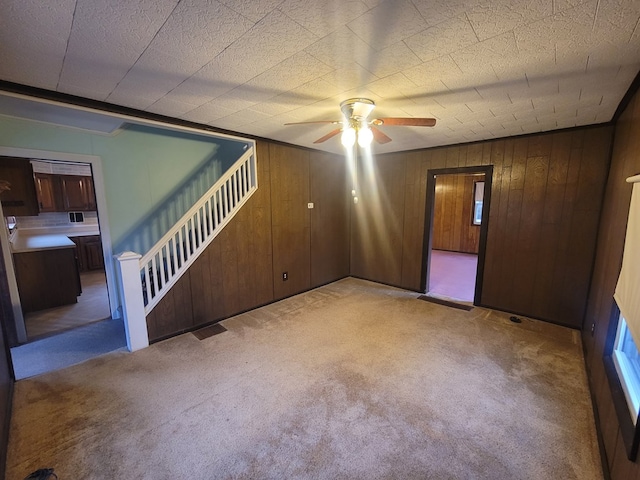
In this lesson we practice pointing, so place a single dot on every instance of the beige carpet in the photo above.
(352, 380)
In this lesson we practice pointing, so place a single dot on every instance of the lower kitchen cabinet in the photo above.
(89, 252)
(47, 278)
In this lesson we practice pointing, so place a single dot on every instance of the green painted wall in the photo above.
(145, 169)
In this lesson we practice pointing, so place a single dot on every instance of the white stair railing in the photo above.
(171, 256)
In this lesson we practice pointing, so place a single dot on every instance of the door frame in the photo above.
(101, 205)
(428, 223)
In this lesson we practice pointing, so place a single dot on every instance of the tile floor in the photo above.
(93, 305)
(453, 275)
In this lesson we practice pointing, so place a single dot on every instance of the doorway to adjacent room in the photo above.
(455, 232)
(47, 338)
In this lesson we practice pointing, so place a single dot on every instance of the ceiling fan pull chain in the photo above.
(354, 191)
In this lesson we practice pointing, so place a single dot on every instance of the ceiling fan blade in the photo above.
(329, 135)
(335, 122)
(408, 122)
(379, 136)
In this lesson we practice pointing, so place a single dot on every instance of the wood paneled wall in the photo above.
(331, 194)
(545, 204)
(453, 227)
(290, 220)
(544, 215)
(273, 233)
(378, 220)
(625, 162)
(547, 198)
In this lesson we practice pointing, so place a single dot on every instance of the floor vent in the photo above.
(209, 331)
(447, 303)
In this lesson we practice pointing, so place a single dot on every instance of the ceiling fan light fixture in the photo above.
(356, 124)
(365, 137)
(348, 138)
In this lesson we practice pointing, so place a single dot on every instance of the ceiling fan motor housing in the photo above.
(356, 110)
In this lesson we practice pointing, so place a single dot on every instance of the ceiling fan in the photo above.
(356, 123)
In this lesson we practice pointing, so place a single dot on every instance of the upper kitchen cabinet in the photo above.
(77, 193)
(64, 187)
(48, 192)
(21, 200)
(64, 193)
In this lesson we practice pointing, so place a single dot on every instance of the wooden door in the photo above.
(78, 193)
(93, 253)
(47, 193)
(90, 194)
(21, 200)
(72, 192)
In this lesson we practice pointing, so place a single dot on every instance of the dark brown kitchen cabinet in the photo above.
(89, 252)
(64, 193)
(93, 253)
(77, 193)
(21, 200)
(47, 278)
(48, 192)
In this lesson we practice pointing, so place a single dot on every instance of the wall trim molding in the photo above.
(133, 115)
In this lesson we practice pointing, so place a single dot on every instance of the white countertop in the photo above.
(34, 243)
(75, 231)
(46, 238)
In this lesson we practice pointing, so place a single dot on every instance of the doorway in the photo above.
(67, 207)
(457, 213)
(77, 331)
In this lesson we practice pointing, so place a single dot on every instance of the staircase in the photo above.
(163, 265)
(145, 279)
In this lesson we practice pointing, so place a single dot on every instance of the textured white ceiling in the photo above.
(483, 69)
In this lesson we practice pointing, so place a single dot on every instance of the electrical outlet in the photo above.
(285, 276)
(310, 205)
